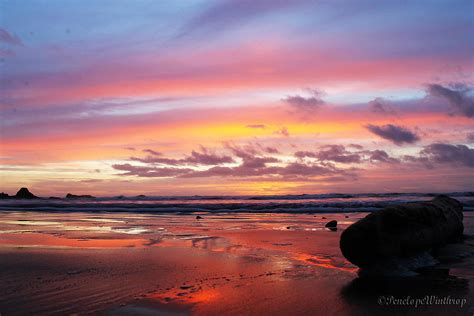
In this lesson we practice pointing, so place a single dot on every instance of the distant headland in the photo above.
(25, 194)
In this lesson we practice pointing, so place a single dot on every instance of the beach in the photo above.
(236, 157)
(227, 263)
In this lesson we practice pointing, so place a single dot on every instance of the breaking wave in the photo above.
(305, 203)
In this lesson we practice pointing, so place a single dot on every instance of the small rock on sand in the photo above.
(331, 224)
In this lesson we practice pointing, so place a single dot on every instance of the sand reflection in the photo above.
(123, 264)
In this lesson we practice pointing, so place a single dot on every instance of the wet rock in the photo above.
(402, 231)
(24, 193)
(331, 224)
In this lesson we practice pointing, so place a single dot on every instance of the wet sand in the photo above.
(223, 264)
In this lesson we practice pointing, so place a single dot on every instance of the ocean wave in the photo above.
(317, 203)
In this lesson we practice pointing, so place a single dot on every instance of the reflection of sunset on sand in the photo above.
(137, 263)
(218, 257)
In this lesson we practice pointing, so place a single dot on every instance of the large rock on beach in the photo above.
(403, 231)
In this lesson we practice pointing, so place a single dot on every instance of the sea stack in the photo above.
(402, 231)
(24, 193)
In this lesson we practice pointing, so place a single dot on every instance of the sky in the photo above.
(236, 97)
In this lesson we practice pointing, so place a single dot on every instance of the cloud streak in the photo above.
(227, 13)
(196, 158)
(150, 172)
(262, 126)
(381, 106)
(252, 164)
(396, 134)
(459, 99)
(339, 154)
(460, 155)
(307, 104)
(7, 37)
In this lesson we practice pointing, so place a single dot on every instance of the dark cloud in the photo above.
(256, 126)
(250, 167)
(6, 37)
(251, 156)
(381, 106)
(253, 163)
(356, 146)
(396, 134)
(337, 153)
(302, 169)
(381, 156)
(306, 103)
(150, 172)
(207, 158)
(257, 162)
(159, 160)
(305, 154)
(295, 169)
(243, 152)
(425, 161)
(271, 150)
(196, 158)
(460, 97)
(217, 171)
(152, 152)
(460, 155)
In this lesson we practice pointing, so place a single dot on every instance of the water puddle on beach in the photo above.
(140, 230)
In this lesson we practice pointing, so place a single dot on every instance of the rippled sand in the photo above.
(237, 264)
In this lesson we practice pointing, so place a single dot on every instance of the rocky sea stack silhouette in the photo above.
(24, 193)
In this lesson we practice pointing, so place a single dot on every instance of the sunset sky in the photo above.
(236, 97)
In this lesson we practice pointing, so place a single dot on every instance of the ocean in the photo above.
(305, 203)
